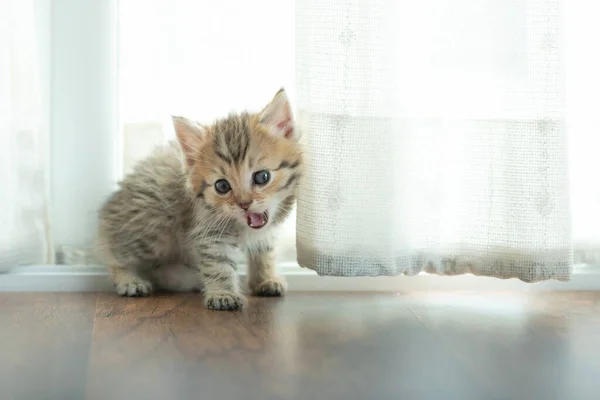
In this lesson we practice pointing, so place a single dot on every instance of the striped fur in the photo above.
(168, 227)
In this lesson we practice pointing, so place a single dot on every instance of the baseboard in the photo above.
(73, 278)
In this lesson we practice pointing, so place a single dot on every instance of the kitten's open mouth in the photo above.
(257, 221)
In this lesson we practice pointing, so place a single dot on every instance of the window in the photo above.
(200, 60)
(145, 60)
(196, 59)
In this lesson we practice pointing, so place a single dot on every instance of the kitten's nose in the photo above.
(245, 205)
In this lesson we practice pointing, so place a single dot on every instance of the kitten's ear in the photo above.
(277, 116)
(190, 135)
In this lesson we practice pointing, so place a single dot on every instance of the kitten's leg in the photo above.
(128, 282)
(262, 278)
(219, 278)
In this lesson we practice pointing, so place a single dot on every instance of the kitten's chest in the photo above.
(256, 240)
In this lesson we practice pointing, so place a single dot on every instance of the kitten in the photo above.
(176, 221)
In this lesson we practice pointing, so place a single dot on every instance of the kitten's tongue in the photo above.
(256, 221)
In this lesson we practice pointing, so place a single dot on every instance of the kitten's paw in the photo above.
(273, 287)
(224, 300)
(134, 289)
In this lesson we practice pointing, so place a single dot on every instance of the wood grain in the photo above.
(349, 346)
(544, 346)
(429, 345)
(44, 345)
(165, 346)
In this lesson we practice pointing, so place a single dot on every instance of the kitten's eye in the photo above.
(261, 177)
(222, 186)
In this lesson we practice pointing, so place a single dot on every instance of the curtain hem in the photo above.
(528, 268)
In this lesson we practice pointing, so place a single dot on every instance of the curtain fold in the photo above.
(24, 233)
(436, 138)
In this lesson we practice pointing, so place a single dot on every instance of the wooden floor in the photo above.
(429, 345)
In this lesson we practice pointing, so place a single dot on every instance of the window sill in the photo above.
(73, 278)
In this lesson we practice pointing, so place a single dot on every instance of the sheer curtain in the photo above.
(436, 135)
(24, 233)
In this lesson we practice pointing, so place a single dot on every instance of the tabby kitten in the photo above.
(176, 221)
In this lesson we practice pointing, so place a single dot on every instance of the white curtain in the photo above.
(436, 134)
(24, 229)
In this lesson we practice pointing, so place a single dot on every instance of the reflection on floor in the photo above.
(424, 345)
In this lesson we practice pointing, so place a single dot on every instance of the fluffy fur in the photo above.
(168, 227)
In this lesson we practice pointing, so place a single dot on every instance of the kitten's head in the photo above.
(245, 167)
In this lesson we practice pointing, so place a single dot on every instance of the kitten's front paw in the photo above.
(223, 301)
(134, 289)
(273, 287)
